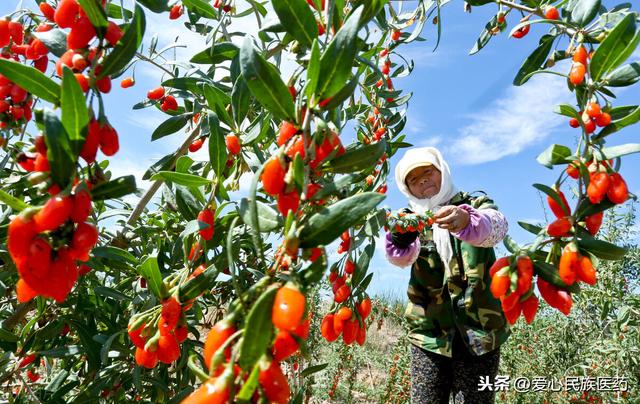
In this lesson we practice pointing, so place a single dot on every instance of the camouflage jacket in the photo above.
(441, 303)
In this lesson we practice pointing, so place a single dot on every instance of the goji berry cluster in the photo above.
(16, 102)
(167, 102)
(47, 243)
(518, 300)
(593, 116)
(402, 222)
(278, 170)
(579, 65)
(157, 336)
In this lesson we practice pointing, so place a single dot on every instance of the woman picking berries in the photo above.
(456, 325)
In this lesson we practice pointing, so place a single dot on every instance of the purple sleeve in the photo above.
(485, 229)
(401, 257)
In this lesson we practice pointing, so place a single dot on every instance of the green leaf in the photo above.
(104, 351)
(510, 244)
(61, 159)
(618, 124)
(615, 48)
(217, 147)
(164, 164)
(600, 248)
(313, 70)
(313, 369)
(55, 40)
(550, 274)
(555, 154)
(485, 36)
(157, 6)
(297, 18)
(327, 224)
(263, 79)
(188, 180)
(14, 203)
(114, 189)
(193, 287)
(336, 62)
(95, 12)
(582, 12)
(115, 11)
(150, 271)
(531, 228)
(268, 218)
(344, 93)
(75, 116)
(218, 100)
(110, 292)
(192, 84)
(114, 254)
(621, 150)
(7, 336)
(623, 76)
(551, 193)
(170, 126)
(218, 53)
(360, 158)
(249, 385)
(535, 61)
(567, 110)
(240, 99)
(201, 7)
(255, 343)
(31, 79)
(126, 48)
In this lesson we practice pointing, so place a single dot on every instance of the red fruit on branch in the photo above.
(395, 35)
(585, 271)
(559, 210)
(207, 216)
(20, 235)
(559, 228)
(214, 391)
(66, 13)
(53, 214)
(136, 336)
(500, 284)
(83, 81)
(569, 264)
(146, 358)
(156, 93)
(33, 376)
(522, 32)
(604, 119)
(273, 176)
(509, 301)
(233, 143)
(590, 126)
(598, 186)
(196, 145)
(350, 331)
(27, 360)
(274, 384)
(284, 346)
(513, 314)
(81, 206)
(573, 122)
(217, 336)
(594, 222)
(593, 110)
(342, 294)
(47, 10)
(169, 103)
(364, 307)
(577, 72)
(84, 238)
(525, 274)
(168, 349)
(287, 130)
(288, 308)
(551, 13)
(176, 11)
(617, 191)
(171, 312)
(349, 267)
(327, 329)
(109, 144)
(104, 84)
(288, 201)
(530, 308)
(498, 265)
(127, 82)
(580, 55)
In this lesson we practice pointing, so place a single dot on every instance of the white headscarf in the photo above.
(423, 156)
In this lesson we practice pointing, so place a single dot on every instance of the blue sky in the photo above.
(488, 130)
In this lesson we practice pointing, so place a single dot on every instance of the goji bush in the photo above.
(208, 298)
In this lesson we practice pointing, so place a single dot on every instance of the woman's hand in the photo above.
(452, 218)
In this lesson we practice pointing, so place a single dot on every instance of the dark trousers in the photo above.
(434, 377)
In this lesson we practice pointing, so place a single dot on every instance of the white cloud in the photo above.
(508, 125)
